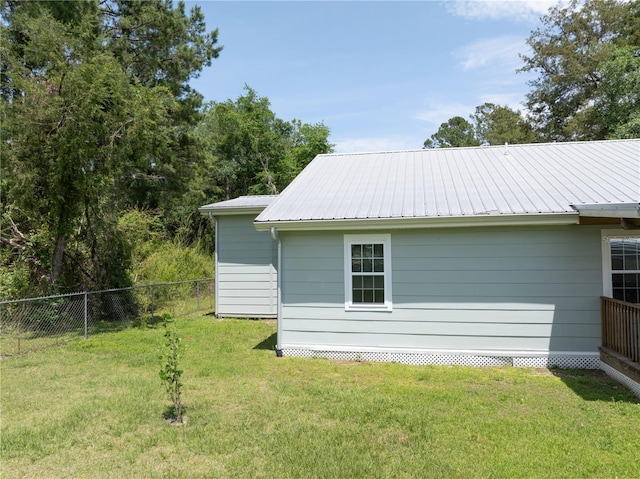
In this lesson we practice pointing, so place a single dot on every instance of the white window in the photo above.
(367, 269)
(621, 258)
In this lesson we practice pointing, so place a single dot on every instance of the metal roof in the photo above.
(240, 205)
(533, 179)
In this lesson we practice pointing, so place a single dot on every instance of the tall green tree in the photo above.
(567, 52)
(497, 125)
(454, 133)
(491, 124)
(617, 100)
(159, 44)
(83, 121)
(251, 151)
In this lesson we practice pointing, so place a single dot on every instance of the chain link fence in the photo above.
(37, 323)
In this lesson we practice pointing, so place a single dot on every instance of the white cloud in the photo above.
(520, 10)
(501, 51)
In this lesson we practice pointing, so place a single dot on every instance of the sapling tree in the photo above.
(170, 372)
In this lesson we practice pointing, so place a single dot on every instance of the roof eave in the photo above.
(222, 211)
(568, 218)
(609, 210)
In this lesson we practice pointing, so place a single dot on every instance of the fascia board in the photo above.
(612, 210)
(255, 210)
(369, 224)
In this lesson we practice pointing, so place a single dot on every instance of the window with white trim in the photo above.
(622, 266)
(367, 272)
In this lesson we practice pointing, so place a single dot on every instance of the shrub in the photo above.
(175, 262)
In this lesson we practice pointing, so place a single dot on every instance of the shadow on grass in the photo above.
(268, 343)
(109, 326)
(594, 385)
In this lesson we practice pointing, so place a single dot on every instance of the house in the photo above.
(474, 256)
(245, 259)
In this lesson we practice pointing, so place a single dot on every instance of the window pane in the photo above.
(356, 251)
(631, 246)
(631, 295)
(616, 262)
(367, 265)
(618, 293)
(378, 250)
(378, 282)
(617, 280)
(357, 295)
(367, 250)
(357, 282)
(630, 280)
(356, 265)
(379, 296)
(378, 265)
(367, 282)
(367, 296)
(616, 246)
(630, 262)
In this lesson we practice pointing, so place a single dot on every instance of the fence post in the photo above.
(151, 294)
(198, 294)
(86, 315)
(19, 329)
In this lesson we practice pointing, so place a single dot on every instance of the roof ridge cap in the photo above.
(481, 147)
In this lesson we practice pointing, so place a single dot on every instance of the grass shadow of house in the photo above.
(268, 343)
(594, 385)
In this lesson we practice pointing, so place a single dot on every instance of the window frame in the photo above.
(360, 239)
(607, 271)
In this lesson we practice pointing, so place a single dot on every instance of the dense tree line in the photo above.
(107, 149)
(586, 55)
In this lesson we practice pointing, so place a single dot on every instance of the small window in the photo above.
(625, 269)
(621, 265)
(367, 272)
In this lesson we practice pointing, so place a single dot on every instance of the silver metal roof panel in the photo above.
(534, 179)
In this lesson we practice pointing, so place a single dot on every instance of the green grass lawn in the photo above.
(93, 409)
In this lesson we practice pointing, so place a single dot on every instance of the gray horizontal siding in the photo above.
(519, 289)
(531, 326)
(493, 303)
(457, 313)
(246, 311)
(433, 276)
(246, 275)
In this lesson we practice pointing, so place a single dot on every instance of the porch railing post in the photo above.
(621, 327)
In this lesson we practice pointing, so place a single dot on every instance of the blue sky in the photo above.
(380, 75)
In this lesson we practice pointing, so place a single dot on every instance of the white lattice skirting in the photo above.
(565, 360)
(621, 378)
